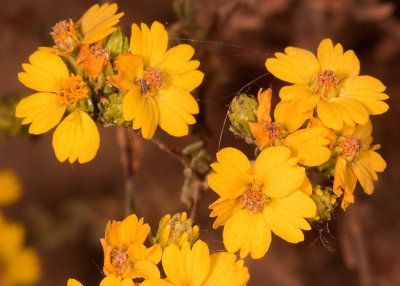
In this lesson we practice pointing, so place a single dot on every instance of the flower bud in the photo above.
(176, 229)
(117, 43)
(243, 110)
(325, 201)
(111, 110)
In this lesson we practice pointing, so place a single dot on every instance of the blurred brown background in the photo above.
(65, 207)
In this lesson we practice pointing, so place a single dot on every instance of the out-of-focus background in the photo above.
(65, 207)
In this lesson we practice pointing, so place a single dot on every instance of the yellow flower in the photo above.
(309, 144)
(92, 59)
(96, 24)
(357, 161)
(110, 280)
(124, 252)
(264, 197)
(196, 267)
(158, 82)
(330, 83)
(10, 187)
(76, 137)
(18, 265)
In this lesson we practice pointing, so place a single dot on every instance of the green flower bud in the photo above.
(243, 110)
(111, 109)
(326, 202)
(117, 43)
(176, 229)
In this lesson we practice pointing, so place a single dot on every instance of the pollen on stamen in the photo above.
(118, 260)
(74, 89)
(64, 34)
(253, 199)
(327, 79)
(274, 129)
(351, 146)
(93, 59)
(154, 78)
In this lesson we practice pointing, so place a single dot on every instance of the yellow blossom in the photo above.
(158, 82)
(10, 187)
(189, 267)
(330, 83)
(110, 280)
(124, 252)
(309, 144)
(76, 137)
(96, 24)
(92, 59)
(357, 161)
(265, 197)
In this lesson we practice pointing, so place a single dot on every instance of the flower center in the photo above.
(74, 89)
(119, 259)
(253, 199)
(152, 80)
(274, 129)
(351, 146)
(64, 35)
(93, 59)
(327, 81)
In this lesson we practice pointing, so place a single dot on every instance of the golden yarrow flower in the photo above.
(92, 59)
(124, 252)
(309, 144)
(10, 187)
(265, 197)
(96, 24)
(158, 82)
(189, 267)
(330, 83)
(76, 137)
(357, 161)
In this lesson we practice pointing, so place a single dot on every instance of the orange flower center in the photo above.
(74, 89)
(152, 80)
(119, 259)
(93, 59)
(64, 35)
(351, 146)
(327, 79)
(274, 130)
(253, 199)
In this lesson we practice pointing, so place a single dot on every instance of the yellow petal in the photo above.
(351, 110)
(176, 106)
(364, 133)
(255, 239)
(287, 115)
(301, 94)
(111, 280)
(177, 58)
(338, 182)
(330, 115)
(157, 282)
(350, 181)
(296, 66)
(224, 209)
(187, 80)
(130, 69)
(158, 42)
(146, 270)
(277, 172)
(332, 58)
(46, 72)
(73, 282)
(98, 22)
(224, 271)
(366, 90)
(76, 137)
(232, 177)
(310, 145)
(43, 110)
(285, 216)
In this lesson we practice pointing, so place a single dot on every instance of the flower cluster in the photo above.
(176, 256)
(321, 125)
(14, 255)
(94, 72)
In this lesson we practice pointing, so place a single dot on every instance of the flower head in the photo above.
(92, 59)
(97, 23)
(158, 82)
(265, 197)
(10, 187)
(76, 137)
(357, 161)
(330, 83)
(309, 144)
(195, 266)
(124, 252)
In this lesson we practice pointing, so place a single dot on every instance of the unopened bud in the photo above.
(326, 202)
(111, 110)
(243, 110)
(116, 43)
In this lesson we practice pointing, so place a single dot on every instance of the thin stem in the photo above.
(185, 160)
(127, 156)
